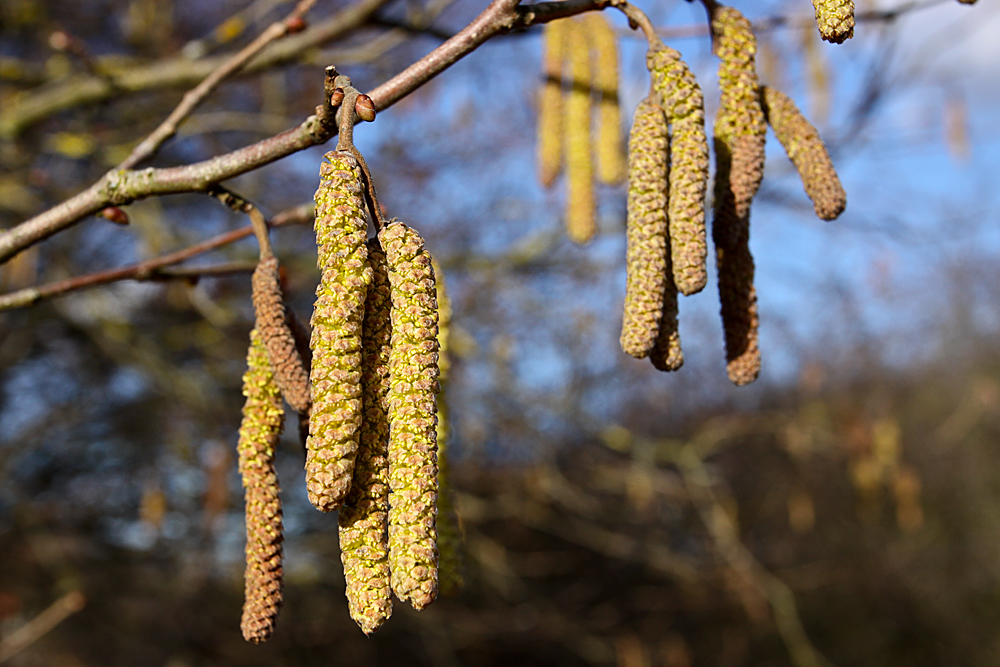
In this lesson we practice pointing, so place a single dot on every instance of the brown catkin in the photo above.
(290, 372)
(259, 433)
(666, 354)
(604, 60)
(647, 257)
(581, 221)
(413, 368)
(342, 256)
(681, 98)
(449, 534)
(550, 105)
(806, 151)
(740, 120)
(835, 19)
(363, 519)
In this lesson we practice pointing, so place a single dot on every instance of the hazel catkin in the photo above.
(364, 548)
(647, 251)
(806, 151)
(550, 105)
(666, 354)
(258, 438)
(413, 368)
(740, 120)
(581, 221)
(835, 19)
(681, 98)
(342, 256)
(604, 61)
(273, 324)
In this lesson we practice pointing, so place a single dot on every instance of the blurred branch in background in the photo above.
(41, 625)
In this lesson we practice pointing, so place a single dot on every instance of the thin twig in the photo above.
(257, 220)
(148, 146)
(147, 269)
(41, 625)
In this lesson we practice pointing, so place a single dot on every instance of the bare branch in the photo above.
(41, 625)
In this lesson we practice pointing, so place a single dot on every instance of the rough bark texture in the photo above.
(273, 323)
(413, 366)
(681, 98)
(363, 519)
(647, 258)
(807, 152)
(342, 256)
(259, 433)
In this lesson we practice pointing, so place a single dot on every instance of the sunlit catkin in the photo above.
(259, 433)
(550, 104)
(363, 519)
(666, 354)
(647, 255)
(604, 53)
(740, 120)
(835, 19)
(449, 535)
(681, 98)
(413, 368)
(273, 323)
(336, 331)
(581, 223)
(807, 152)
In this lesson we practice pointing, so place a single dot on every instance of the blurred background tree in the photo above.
(841, 510)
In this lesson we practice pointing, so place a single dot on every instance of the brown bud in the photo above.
(337, 97)
(115, 215)
(295, 24)
(365, 108)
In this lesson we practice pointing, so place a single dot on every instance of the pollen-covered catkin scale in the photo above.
(273, 324)
(648, 250)
(363, 519)
(449, 535)
(681, 98)
(342, 256)
(835, 19)
(550, 105)
(807, 153)
(666, 354)
(259, 432)
(604, 52)
(581, 223)
(413, 368)
(740, 120)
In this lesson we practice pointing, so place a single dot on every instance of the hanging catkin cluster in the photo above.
(807, 153)
(680, 96)
(335, 420)
(274, 325)
(580, 74)
(835, 19)
(740, 131)
(413, 554)
(259, 432)
(363, 519)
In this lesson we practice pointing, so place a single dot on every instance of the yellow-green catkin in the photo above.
(273, 323)
(647, 254)
(449, 534)
(740, 120)
(666, 354)
(335, 421)
(807, 152)
(413, 368)
(550, 104)
(604, 52)
(363, 519)
(681, 98)
(581, 221)
(259, 432)
(835, 19)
